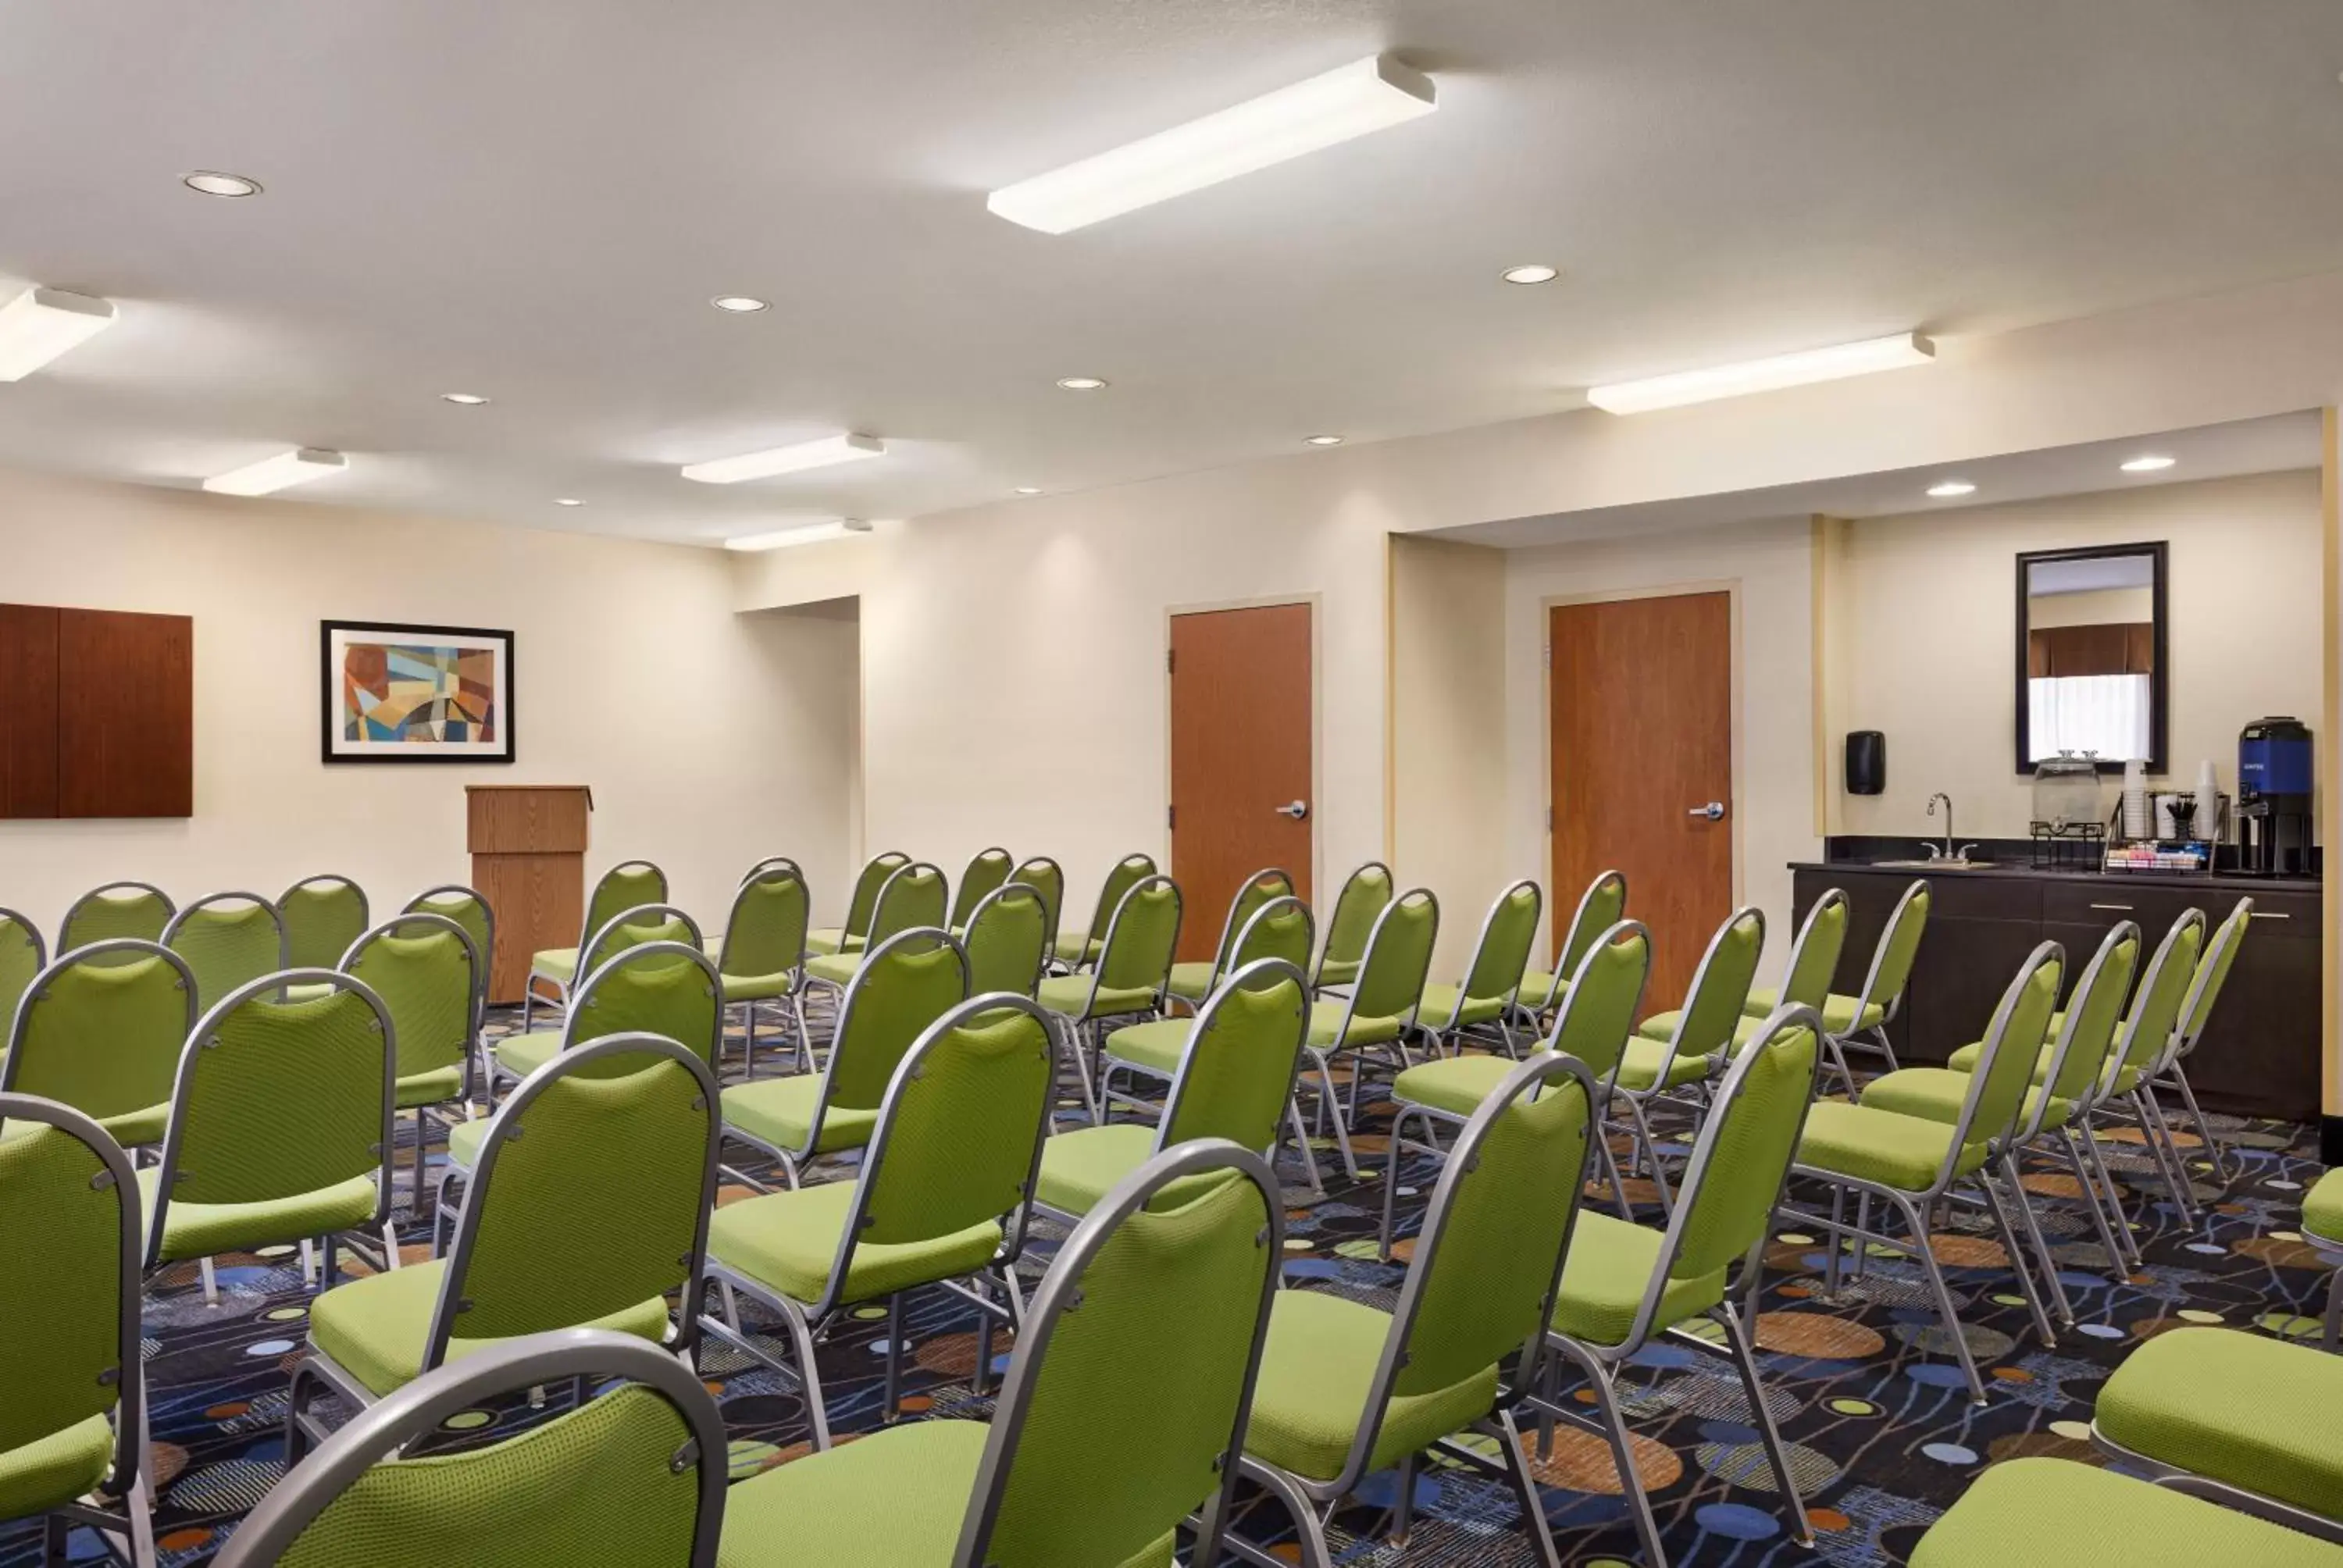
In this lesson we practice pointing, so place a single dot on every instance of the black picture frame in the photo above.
(2160, 680)
(329, 695)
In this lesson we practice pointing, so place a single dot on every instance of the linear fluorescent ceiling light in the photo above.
(781, 539)
(1347, 102)
(1763, 374)
(281, 472)
(794, 459)
(40, 323)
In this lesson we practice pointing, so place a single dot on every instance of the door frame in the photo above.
(1731, 589)
(1314, 603)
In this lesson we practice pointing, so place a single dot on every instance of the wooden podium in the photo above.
(529, 860)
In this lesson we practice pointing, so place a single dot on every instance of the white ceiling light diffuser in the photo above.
(795, 459)
(781, 539)
(2149, 464)
(278, 472)
(1948, 489)
(1833, 364)
(1347, 102)
(40, 323)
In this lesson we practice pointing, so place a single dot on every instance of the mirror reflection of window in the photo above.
(2090, 657)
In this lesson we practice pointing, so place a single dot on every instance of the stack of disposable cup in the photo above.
(2137, 823)
(2208, 802)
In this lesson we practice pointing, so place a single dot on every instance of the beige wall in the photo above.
(1929, 644)
(709, 738)
(2106, 607)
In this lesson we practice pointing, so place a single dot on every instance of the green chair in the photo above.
(636, 1152)
(1375, 1010)
(1598, 1008)
(1624, 1285)
(2025, 1511)
(2077, 1066)
(1493, 980)
(138, 910)
(1192, 982)
(1072, 953)
(1365, 894)
(1861, 1021)
(913, 897)
(73, 1427)
(943, 1197)
(628, 885)
(1806, 979)
(1043, 874)
(1347, 1389)
(1234, 1080)
(322, 916)
(1914, 1163)
(986, 871)
(2169, 1074)
(1699, 1045)
(228, 940)
(1132, 967)
(665, 985)
(1600, 907)
(280, 1127)
(761, 955)
(468, 908)
(853, 936)
(907, 982)
(101, 1029)
(633, 1476)
(1008, 941)
(427, 974)
(22, 956)
(2322, 1228)
(1093, 1457)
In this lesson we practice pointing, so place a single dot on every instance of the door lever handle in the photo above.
(1714, 811)
(1297, 810)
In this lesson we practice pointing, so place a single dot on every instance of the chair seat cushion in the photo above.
(757, 987)
(135, 1127)
(2257, 1413)
(208, 1230)
(1455, 1084)
(837, 968)
(896, 1497)
(464, 1140)
(2117, 1080)
(778, 1112)
(1069, 994)
(1938, 1093)
(1639, 1066)
(1077, 950)
(825, 940)
(2035, 1513)
(1904, 1153)
(1604, 1276)
(788, 1241)
(1338, 971)
(1192, 982)
(1538, 985)
(519, 1055)
(2322, 1208)
(1839, 1015)
(1080, 1167)
(555, 963)
(307, 992)
(1662, 1025)
(1316, 1373)
(53, 1471)
(434, 1087)
(1327, 1034)
(1157, 1045)
(378, 1328)
(1443, 1005)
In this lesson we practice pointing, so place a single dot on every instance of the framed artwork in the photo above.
(416, 693)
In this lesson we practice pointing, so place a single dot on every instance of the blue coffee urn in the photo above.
(2274, 815)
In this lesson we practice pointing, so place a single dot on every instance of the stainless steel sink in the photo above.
(1937, 864)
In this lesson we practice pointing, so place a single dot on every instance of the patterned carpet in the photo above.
(1883, 1437)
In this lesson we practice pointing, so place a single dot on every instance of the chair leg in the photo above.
(2213, 1151)
(1744, 1361)
(808, 1377)
(139, 1508)
(1404, 1510)
(1650, 1148)
(1611, 1173)
(2332, 1338)
(2025, 1206)
(211, 1282)
(1327, 1098)
(894, 1355)
(1623, 1454)
(2090, 1147)
(1928, 1256)
(1302, 1146)
(2018, 1263)
(2117, 1261)
(2175, 1180)
(2186, 1186)
(1310, 1530)
(1835, 1243)
(1391, 1184)
(1517, 1466)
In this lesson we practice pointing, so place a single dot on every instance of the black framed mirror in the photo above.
(2092, 666)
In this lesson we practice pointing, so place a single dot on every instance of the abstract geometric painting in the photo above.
(416, 693)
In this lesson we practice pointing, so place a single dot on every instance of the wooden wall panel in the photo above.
(28, 710)
(125, 714)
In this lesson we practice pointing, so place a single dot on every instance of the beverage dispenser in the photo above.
(2274, 817)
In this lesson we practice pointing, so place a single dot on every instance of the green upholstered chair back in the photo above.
(1814, 957)
(1398, 959)
(2079, 1055)
(631, 928)
(2213, 973)
(1606, 997)
(634, 1475)
(1279, 929)
(138, 910)
(276, 1099)
(1363, 897)
(101, 1028)
(22, 956)
(2012, 1047)
(1508, 932)
(667, 989)
(633, 1144)
(322, 917)
(1899, 946)
(1141, 936)
(1600, 907)
(865, 900)
(69, 1297)
(1085, 1411)
(1712, 1010)
(958, 1137)
(908, 982)
(2164, 990)
(1258, 889)
(468, 908)
(913, 897)
(228, 940)
(1237, 1073)
(1043, 876)
(1008, 941)
(1487, 1259)
(765, 934)
(628, 885)
(427, 972)
(1125, 875)
(987, 870)
(1745, 1146)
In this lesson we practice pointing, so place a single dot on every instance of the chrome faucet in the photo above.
(1945, 853)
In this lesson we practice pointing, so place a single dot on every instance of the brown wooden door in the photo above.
(1240, 757)
(1642, 741)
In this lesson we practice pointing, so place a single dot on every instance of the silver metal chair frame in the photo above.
(1638, 1100)
(1876, 1038)
(1012, 892)
(777, 868)
(2170, 1074)
(1562, 968)
(561, 989)
(591, 957)
(2227, 1495)
(901, 882)
(881, 866)
(9, 917)
(1074, 1025)
(1053, 908)
(963, 908)
(65, 926)
(1323, 1058)
(1146, 867)
(12, 1064)
(179, 921)
(366, 907)
(1447, 1041)
(415, 906)
(474, 969)
(1230, 928)
(1319, 984)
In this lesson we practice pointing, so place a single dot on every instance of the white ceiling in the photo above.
(536, 201)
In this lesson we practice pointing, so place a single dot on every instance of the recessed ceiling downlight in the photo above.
(741, 303)
(1537, 272)
(1323, 441)
(2148, 463)
(212, 182)
(567, 501)
(1082, 383)
(463, 399)
(1951, 487)
(1028, 490)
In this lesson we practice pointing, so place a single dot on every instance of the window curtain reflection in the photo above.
(2102, 713)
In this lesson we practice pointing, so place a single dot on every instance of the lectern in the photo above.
(529, 859)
